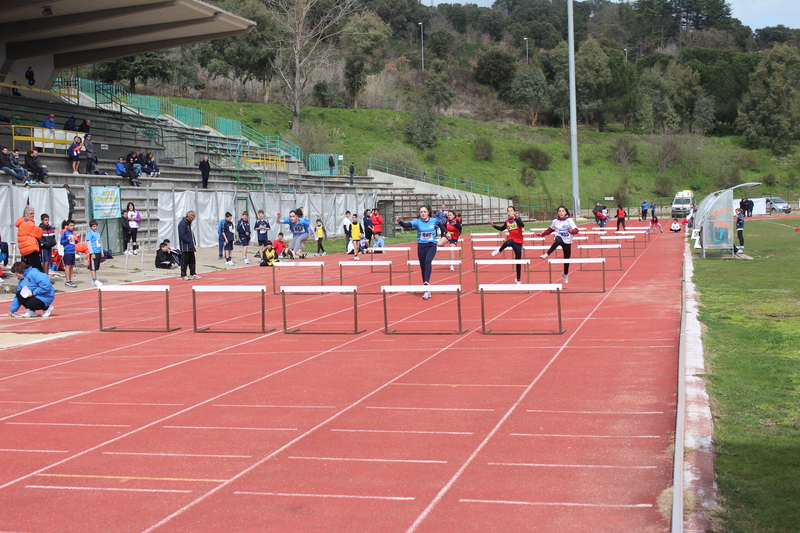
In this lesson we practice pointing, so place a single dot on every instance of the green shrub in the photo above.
(430, 157)
(484, 149)
(664, 185)
(769, 180)
(623, 152)
(536, 157)
(527, 177)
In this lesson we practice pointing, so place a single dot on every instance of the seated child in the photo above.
(269, 256)
(363, 245)
(280, 247)
(164, 257)
(675, 227)
(176, 254)
(377, 243)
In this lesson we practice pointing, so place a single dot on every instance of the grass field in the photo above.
(751, 310)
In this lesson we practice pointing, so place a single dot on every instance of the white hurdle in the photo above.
(620, 239)
(528, 287)
(384, 250)
(602, 248)
(303, 289)
(371, 264)
(296, 264)
(229, 289)
(133, 288)
(578, 261)
(394, 289)
(439, 262)
(526, 263)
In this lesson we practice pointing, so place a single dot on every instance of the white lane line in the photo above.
(369, 460)
(395, 498)
(179, 455)
(68, 424)
(278, 406)
(559, 504)
(32, 451)
(129, 403)
(223, 427)
(569, 466)
(402, 431)
(103, 488)
(596, 412)
(586, 436)
(430, 409)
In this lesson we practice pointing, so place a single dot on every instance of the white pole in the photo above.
(526, 50)
(422, 41)
(573, 118)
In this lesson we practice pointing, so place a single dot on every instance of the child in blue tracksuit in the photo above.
(261, 227)
(96, 248)
(34, 292)
(227, 236)
(68, 240)
(243, 230)
(426, 241)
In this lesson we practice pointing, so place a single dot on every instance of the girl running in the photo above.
(300, 228)
(513, 225)
(426, 241)
(564, 228)
(453, 227)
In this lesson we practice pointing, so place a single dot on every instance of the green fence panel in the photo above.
(227, 126)
(146, 105)
(318, 164)
(190, 116)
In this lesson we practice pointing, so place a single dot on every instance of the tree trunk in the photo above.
(132, 84)
(233, 85)
(601, 122)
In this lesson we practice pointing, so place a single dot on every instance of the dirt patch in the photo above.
(14, 339)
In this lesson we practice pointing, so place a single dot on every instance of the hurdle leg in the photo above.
(274, 283)
(458, 301)
(561, 329)
(194, 312)
(604, 277)
(166, 299)
(385, 316)
(355, 314)
(483, 315)
(283, 306)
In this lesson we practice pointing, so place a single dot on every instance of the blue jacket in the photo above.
(95, 242)
(302, 227)
(69, 247)
(185, 236)
(40, 286)
(49, 123)
(243, 229)
(120, 168)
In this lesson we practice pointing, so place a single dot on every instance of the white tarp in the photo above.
(209, 208)
(13, 200)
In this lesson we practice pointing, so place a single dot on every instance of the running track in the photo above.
(179, 432)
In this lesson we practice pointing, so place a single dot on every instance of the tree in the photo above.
(621, 93)
(363, 39)
(438, 90)
(440, 43)
(770, 112)
(355, 75)
(592, 75)
(304, 30)
(528, 91)
(142, 67)
(422, 130)
(495, 68)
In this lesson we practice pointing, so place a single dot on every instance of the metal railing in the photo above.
(274, 143)
(439, 179)
(109, 129)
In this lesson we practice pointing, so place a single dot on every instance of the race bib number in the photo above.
(262, 231)
(100, 243)
(426, 235)
(451, 235)
(298, 228)
(511, 226)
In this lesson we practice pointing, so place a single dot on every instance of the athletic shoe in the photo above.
(543, 256)
(518, 281)
(356, 258)
(426, 295)
(30, 314)
(47, 312)
(566, 279)
(229, 262)
(135, 252)
(195, 276)
(220, 257)
(258, 255)
(185, 278)
(76, 172)
(495, 252)
(97, 283)
(127, 252)
(452, 267)
(324, 254)
(316, 255)
(70, 284)
(245, 260)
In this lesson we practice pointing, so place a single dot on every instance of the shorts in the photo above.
(453, 241)
(245, 241)
(228, 246)
(262, 242)
(47, 255)
(94, 263)
(69, 259)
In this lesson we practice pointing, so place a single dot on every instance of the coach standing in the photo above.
(186, 238)
(205, 170)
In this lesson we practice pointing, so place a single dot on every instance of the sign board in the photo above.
(106, 202)
(609, 198)
(341, 157)
(104, 147)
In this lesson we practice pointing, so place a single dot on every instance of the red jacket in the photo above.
(28, 235)
(377, 224)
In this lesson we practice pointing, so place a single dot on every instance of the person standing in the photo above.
(377, 223)
(331, 163)
(352, 172)
(28, 236)
(514, 226)
(205, 170)
(243, 230)
(71, 200)
(739, 220)
(188, 248)
(95, 251)
(134, 218)
(74, 152)
(750, 205)
(564, 228)
(29, 75)
(368, 225)
(621, 214)
(346, 227)
(644, 209)
(426, 242)
(356, 231)
(261, 227)
(48, 242)
(91, 156)
(34, 291)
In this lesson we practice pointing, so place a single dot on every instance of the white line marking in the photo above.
(102, 488)
(279, 406)
(402, 431)
(597, 412)
(395, 498)
(429, 409)
(178, 455)
(129, 403)
(369, 460)
(586, 436)
(569, 466)
(222, 427)
(68, 424)
(559, 504)
(32, 451)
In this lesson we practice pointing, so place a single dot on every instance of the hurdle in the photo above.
(513, 262)
(644, 233)
(578, 261)
(370, 264)
(596, 233)
(602, 248)
(393, 289)
(450, 249)
(229, 289)
(623, 238)
(342, 289)
(438, 262)
(529, 287)
(405, 249)
(297, 264)
(133, 288)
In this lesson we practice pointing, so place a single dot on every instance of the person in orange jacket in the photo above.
(28, 236)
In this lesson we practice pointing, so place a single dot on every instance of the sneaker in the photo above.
(135, 252)
(220, 257)
(126, 252)
(316, 255)
(245, 260)
(324, 254)
(518, 281)
(30, 314)
(566, 279)
(426, 295)
(70, 284)
(543, 256)
(47, 312)
(495, 252)
(229, 262)
(452, 267)
(76, 172)
(258, 255)
(97, 283)
(185, 278)
(195, 276)
(356, 258)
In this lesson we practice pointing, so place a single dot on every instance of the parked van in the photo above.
(681, 204)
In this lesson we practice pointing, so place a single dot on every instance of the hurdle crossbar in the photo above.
(513, 262)
(229, 289)
(620, 239)
(393, 289)
(380, 249)
(297, 264)
(578, 261)
(371, 264)
(438, 262)
(602, 248)
(635, 232)
(133, 288)
(526, 287)
(302, 289)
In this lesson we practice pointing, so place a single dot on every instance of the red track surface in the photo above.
(181, 431)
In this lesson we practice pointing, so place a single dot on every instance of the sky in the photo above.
(754, 13)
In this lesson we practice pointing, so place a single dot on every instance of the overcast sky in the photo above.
(754, 13)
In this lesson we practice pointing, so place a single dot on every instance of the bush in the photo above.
(769, 180)
(729, 177)
(422, 130)
(623, 152)
(664, 150)
(430, 157)
(747, 159)
(484, 149)
(664, 185)
(527, 177)
(536, 157)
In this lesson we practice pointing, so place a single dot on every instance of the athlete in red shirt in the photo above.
(513, 225)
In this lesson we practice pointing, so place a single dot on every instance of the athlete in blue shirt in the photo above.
(426, 241)
(300, 228)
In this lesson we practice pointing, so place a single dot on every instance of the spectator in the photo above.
(91, 156)
(74, 153)
(15, 161)
(95, 251)
(164, 257)
(86, 126)
(346, 227)
(377, 222)
(15, 88)
(7, 166)
(125, 171)
(243, 231)
(134, 219)
(68, 240)
(34, 166)
(71, 200)
(132, 160)
(367, 224)
(205, 170)
(331, 163)
(28, 237)
(154, 165)
(69, 125)
(30, 77)
(352, 172)
(49, 122)
(34, 292)
(48, 242)
(186, 238)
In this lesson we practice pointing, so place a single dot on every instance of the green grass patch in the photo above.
(751, 310)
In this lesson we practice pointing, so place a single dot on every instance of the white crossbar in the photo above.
(363, 263)
(134, 288)
(299, 263)
(576, 238)
(632, 232)
(502, 261)
(483, 235)
(393, 249)
(228, 288)
(421, 288)
(440, 262)
(598, 246)
(618, 237)
(505, 287)
(578, 261)
(537, 247)
(319, 288)
(486, 240)
(484, 248)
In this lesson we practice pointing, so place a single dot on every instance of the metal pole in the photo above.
(573, 119)
(422, 40)
(526, 50)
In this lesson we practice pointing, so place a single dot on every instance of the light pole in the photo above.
(422, 41)
(626, 54)
(526, 50)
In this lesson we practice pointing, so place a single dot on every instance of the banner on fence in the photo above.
(106, 202)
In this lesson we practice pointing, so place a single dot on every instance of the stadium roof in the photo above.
(81, 32)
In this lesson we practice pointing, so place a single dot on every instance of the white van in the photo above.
(681, 204)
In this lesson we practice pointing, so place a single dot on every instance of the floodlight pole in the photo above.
(573, 119)
(422, 41)
(526, 50)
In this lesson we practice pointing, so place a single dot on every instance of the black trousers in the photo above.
(35, 260)
(187, 261)
(566, 248)
(31, 302)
